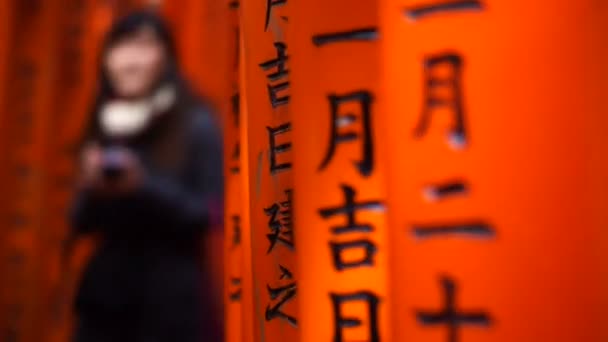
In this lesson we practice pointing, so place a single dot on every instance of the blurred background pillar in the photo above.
(27, 123)
(6, 37)
(74, 81)
(247, 330)
(235, 233)
(497, 169)
(84, 24)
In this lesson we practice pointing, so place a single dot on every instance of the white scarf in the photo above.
(127, 118)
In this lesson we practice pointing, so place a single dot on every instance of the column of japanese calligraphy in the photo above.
(496, 176)
(233, 238)
(340, 230)
(266, 69)
(26, 122)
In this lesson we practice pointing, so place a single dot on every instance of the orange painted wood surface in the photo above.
(247, 300)
(341, 232)
(82, 25)
(233, 226)
(52, 56)
(494, 120)
(6, 17)
(266, 77)
(27, 127)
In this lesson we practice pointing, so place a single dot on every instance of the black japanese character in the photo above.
(471, 229)
(236, 230)
(341, 322)
(420, 11)
(280, 73)
(338, 121)
(437, 192)
(338, 249)
(280, 224)
(269, 5)
(235, 102)
(236, 155)
(235, 296)
(435, 85)
(349, 209)
(450, 316)
(358, 34)
(285, 293)
(275, 148)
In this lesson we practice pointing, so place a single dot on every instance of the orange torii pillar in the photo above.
(27, 125)
(247, 301)
(340, 229)
(234, 231)
(269, 142)
(6, 32)
(495, 128)
(83, 24)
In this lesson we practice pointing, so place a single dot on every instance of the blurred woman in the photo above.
(150, 183)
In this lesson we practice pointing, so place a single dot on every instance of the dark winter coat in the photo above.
(145, 281)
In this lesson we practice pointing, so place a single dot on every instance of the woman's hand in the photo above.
(131, 176)
(93, 178)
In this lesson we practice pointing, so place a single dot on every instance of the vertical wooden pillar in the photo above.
(6, 33)
(76, 74)
(494, 123)
(234, 236)
(247, 300)
(28, 108)
(269, 143)
(53, 73)
(339, 192)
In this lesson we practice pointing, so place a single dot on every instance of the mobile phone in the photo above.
(112, 167)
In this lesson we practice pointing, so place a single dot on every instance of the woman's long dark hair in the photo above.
(121, 29)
